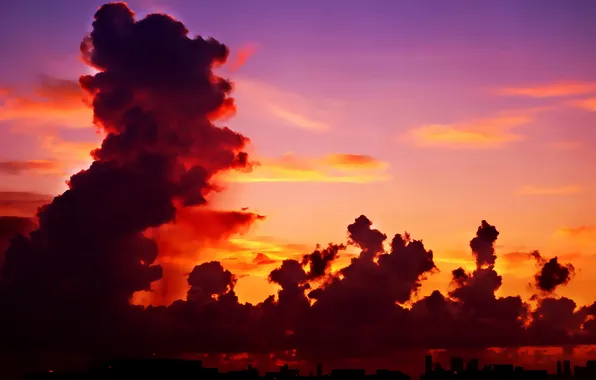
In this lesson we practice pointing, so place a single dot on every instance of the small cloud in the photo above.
(71, 156)
(297, 120)
(263, 259)
(517, 259)
(67, 150)
(587, 104)
(550, 90)
(560, 190)
(22, 203)
(240, 57)
(485, 133)
(65, 159)
(44, 167)
(347, 161)
(584, 233)
(578, 240)
(244, 265)
(238, 253)
(52, 102)
(259, 101)
(346, 168)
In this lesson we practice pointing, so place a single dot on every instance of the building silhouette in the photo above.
(173, 369)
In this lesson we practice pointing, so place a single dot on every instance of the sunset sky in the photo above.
(425, 116)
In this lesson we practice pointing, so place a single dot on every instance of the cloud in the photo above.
(253, 264)
(354, 161)
(487, 133)
(346, 168)
(551, 273)
(20, 203)
(65, 159)
(587, 104)
(559, 190)
(300, 121)
(67, 150)
(583, 233)
(284, 107)
(516, 259)
(68, 157)
(550, 90)
(52, 102)
(241, 55)
(44, 167)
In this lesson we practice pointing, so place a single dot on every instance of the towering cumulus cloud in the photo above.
(155, 96)
(66, 283)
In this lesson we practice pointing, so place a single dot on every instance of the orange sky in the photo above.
(413, 153)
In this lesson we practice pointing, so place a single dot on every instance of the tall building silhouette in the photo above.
(428, 364)
(567, 368)
(473, 365)
(457, 365)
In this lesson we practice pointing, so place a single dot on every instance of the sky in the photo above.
(425, 116)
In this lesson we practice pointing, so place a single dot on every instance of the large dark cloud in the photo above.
(66, 286)
(155, 96)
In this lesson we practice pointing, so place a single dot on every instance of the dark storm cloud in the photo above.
(155, 96)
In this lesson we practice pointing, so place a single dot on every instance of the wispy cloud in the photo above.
(55, 102)
(516, 259)
(298, 120)
(43, 167)
(260, 100)
(587, 104)
(21, 203)
(241, 56)
(354, 161)
(347, 168)
(65, 158)
(493, 132)
(586, 233)
(558, 190)
(550, 90)
(67, 150)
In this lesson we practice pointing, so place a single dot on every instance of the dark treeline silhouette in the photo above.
(187, 369)
(66, 284)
